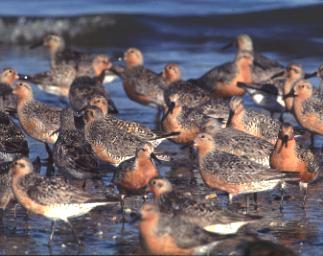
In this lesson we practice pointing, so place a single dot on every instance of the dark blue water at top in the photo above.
(166, 7)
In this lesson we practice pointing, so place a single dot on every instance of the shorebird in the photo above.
(290, 156)
(140, 83)
(164, 234)
(222, 80)
(239, 143)
(235, 175)
(252, 122)
(12, 140)
(210, 217)
(72, 155)
(264, 68)
(37, 119)
(52, 198)
(109, 143)
(189, 121)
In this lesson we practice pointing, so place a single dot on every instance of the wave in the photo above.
(270, 28)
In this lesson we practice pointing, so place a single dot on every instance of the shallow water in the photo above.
(191, 37)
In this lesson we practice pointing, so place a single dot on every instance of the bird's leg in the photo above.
(247, 203)
(50, 170)
(52, 232)
(282, 191)
(74, 233)
(122, 197)
(50, 159)
(255, 199)
(230, 198)
(281, 117)
(312, 141)
(303, 187)
(15, 211)
(84, 184)
(26, 219)
(2, 216)
(144, 198)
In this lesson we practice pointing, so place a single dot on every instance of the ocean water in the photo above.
(191, 34)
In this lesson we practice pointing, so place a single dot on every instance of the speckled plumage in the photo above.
(110, 144)
(233, 174)
(138, 130)
(119, 145)
(189, 121)
(59, 53)
(7, 100)
(37, 119)
(190, 94)
(263, 124)
(44, 117)
(216, 108)
(313, 105)
(72, 154)
(51, 197)
(237, 170)
(252, 122)
(243, 144)
(308, 108)
(143, 83)
(12, 140)
(202, 214)
(6, 194)
(56, 81)
(84, 88)
(167, 234)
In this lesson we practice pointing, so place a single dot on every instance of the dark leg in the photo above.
(52, 232)
(26, 219)
(281, 117)
(74, 233)
(122, 197)
(84, 184)
(304, 188)
(2, 216)
(247, 203)
(50, 159)
(50, 170)
(158, 117)
(15, 211)
(282, 191)
(312, 141)
(37, 164)
(255, 199)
